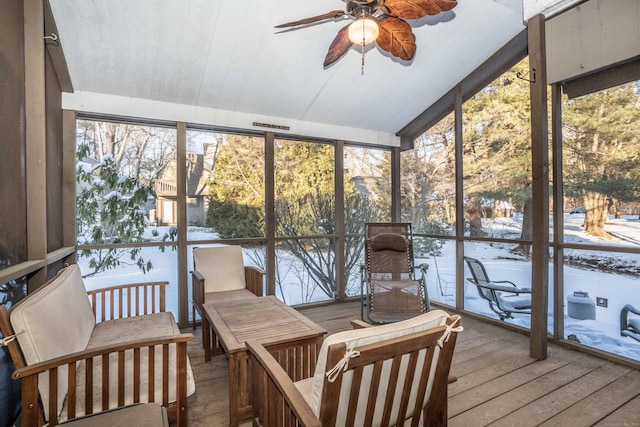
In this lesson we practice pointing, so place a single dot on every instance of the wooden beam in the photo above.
(55, 50)
(35, 136)
(540, 188)
(270, 214)
(505, 58)
(69, 180)
(558, 210)
(341, 274)
(457, 108)
(181, 205)
(614, 75)
(396, 211)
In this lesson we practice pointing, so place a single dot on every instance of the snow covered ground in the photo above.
(501, 264)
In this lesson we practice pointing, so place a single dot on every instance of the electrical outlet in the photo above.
(602, 302)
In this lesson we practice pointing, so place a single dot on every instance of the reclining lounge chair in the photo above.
(389, 287)
(504, 297)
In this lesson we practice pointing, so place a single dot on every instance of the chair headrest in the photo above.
(389, 241)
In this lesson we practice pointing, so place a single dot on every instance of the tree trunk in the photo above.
(474, 215)
(596, 206)
(614, 207)
(527, 226)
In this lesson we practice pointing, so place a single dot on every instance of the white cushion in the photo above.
(221, 266)
(365, 336)
(229, 295)
(54, 321)
(118, 331)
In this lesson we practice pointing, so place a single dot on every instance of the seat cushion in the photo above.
(360, 337)
(114, 332)
(229, 295)
(54, 321)
(221, 266)
(142, 415)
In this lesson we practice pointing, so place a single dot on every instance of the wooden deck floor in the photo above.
(498, 383)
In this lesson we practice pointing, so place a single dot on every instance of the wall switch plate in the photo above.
(602, 302)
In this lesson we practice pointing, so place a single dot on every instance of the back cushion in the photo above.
(54, 321)
(221, 266)
(374, 334)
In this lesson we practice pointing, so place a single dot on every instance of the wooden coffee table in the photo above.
(293, 339)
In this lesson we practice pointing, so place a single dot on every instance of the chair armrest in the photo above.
(274, 392)
(624, 316)
(254, 279)
(506, 286)
(359, 324)
(31, 374)
(117, 302)
(197, 287)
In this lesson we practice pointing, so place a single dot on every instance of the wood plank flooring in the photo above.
(498, 383)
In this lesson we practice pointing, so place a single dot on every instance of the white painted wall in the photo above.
(548, 8)
(591, 36)
(148, 109)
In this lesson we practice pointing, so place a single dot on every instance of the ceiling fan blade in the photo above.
(329, 15)
(415, 9)
(397, 38)
(339, 46)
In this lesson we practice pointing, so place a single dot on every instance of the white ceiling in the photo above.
(221, 62)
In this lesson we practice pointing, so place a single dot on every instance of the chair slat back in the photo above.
(389, 251)
(480, 277)
(390, 382)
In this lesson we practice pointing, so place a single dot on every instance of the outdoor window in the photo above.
(428, 181)
(440, 257)
(367, 198)
(304, 211)
(225, 175)
(126, 195)
(497, 160)
(601, 171)
(508, 296)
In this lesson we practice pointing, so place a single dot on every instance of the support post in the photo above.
(540, 189)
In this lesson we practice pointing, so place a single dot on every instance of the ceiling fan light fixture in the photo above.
(363, 31)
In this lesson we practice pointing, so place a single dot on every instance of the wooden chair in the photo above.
(504, 297)
(79, 353)
(389, 288)
(630, 325)
(395, 374)
(219, 272)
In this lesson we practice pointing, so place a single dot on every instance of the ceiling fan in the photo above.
(382, 21)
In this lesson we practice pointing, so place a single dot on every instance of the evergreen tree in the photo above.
(601, 141)
(116, 164)
(497, 147)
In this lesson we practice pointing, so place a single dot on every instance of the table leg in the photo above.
(233, 390)
(206, 340)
